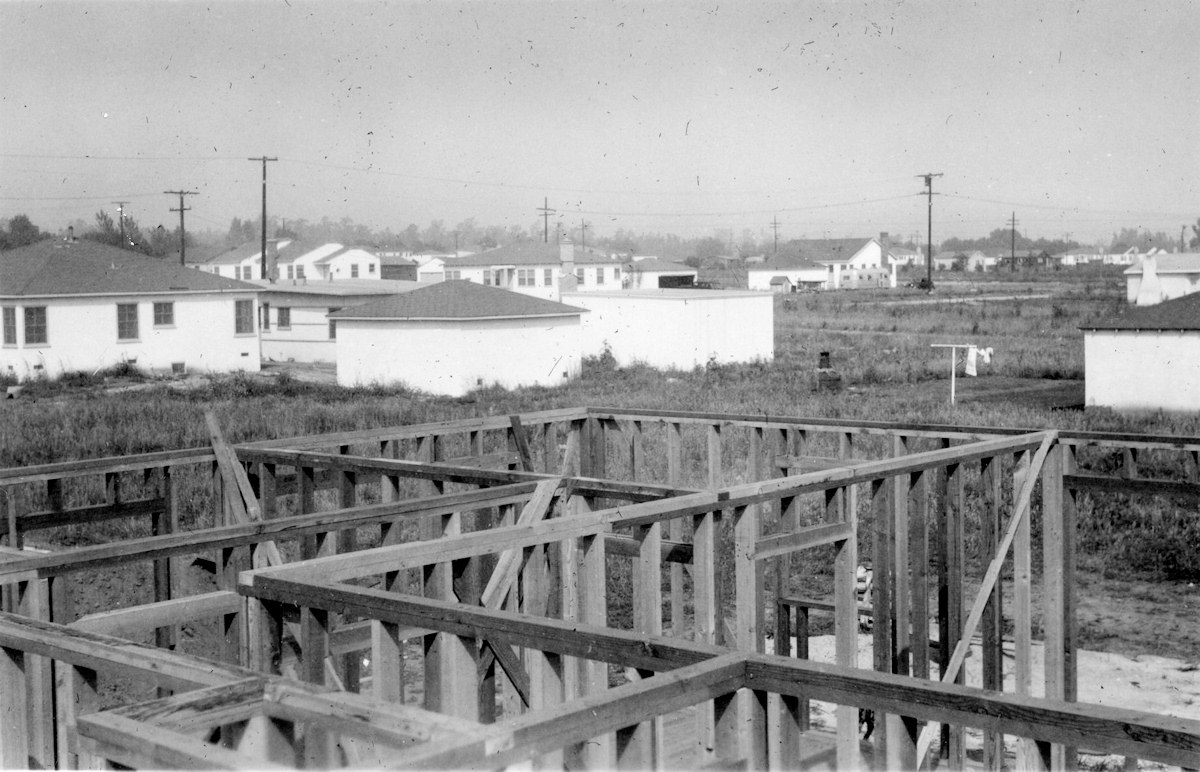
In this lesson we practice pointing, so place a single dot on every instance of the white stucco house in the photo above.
(652, 273)
(454, 336)
(1146, 359)
(538, 269)
(852, 263)
(678, 329)
(1162, 276)
(79, 305)
(244, 262)
(294, 318)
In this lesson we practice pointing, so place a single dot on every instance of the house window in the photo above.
(291, 272)
(453, 275)
(579, 276)
(299, 272)
(127, 321)
(524, 277)
(548, 277)
(10, 326)
(285, 318)
(243, 312)
(35, 325)
(487, 277)
(617, 275)
(354, 270)
(370, 268)
(164, 314)
(266, 316)
(333, 325)
(600, 275)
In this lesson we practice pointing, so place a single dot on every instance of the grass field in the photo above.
(879, 340)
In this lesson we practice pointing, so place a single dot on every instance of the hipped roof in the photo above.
(1178, 314)
(83, 267)
(458, 300)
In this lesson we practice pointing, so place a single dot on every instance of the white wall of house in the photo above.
(1159, 287)
(82, 334)
(677, 329)
(307, 336)
(760, 279)
(1142, 370)
(453, 357)
(351, 264)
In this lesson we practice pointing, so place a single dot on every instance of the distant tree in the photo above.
(709, 247)
(487, 242)
(1195, 240)
(108, 232)
(21, 232)
(1141, 240)
(435, 235)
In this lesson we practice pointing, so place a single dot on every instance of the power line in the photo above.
(546, 212)
(181, 210)
(929, 247)
(263, 256)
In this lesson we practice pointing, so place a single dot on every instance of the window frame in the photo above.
(124, 322)
(548, 276)
(243, 317)
(283, 317)
(169, 307)
(9, 323)
(33, 324)
(333, 324)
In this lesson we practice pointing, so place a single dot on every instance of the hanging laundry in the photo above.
(972, 356)
(985, 354)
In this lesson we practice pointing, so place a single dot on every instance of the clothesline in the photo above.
(973, 355)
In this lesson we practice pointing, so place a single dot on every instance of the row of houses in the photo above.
(531, 268)
(82, 306)
(974, 260)
(825, 264)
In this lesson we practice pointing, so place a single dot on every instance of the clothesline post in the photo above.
(954, 347)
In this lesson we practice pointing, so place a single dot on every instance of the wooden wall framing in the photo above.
(584, 587)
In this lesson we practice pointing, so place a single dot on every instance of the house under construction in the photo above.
(570, 588)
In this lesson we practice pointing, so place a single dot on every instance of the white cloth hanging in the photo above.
(972, 355)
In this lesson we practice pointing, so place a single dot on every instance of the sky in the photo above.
(699, 119)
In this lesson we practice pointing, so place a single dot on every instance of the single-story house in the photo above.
(652, 273)
(294, 315)
(827, 264)
(678, 328)
(539, 269)
(242, 262)
(431, 266)
(454, 336)
(81, 305)
(1145, 359)
(397, 267)
(1162, 276)
(903, 256)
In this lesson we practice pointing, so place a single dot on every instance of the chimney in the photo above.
(566, 258)
(1149, 290)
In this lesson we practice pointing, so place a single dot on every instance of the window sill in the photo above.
(128, 340)
(245, 335)
(164, 326)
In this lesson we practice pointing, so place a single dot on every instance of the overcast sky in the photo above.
(690, 118)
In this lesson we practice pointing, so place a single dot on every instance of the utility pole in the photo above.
(263, 256)
(583, 226)
(546, 212)
(121, 220)
(1182, 234)
(775, 227)
(929, 246)
(181, 210)
(1013, 247)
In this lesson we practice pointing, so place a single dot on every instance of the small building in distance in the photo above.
(295, 314)
(80, 305)
(454, 336)
(1145, 359)
(538, 269)
(678, 329)
(652, 273)
(853, 263)
(1162, 276)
